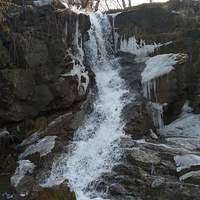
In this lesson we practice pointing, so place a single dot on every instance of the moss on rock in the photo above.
(40, 123)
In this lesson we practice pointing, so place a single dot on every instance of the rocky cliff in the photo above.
(175, 25)
(45, 78)
(36, 54)
(41, 73)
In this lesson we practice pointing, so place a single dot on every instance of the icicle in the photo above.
(156, 112)
(149, 90)
(78, 54)
(155, 92)
(129, 45)
(64, 37)
(115, 35)
(141, 51)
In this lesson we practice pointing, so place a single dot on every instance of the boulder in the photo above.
(28, 189)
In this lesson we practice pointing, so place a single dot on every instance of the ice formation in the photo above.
(189, 174)
(4, 132)
(156, 111)
(42, 2)
(77, 54)
(24, 166)
(140, 50)
(187, 125)
(156, 67)
(186, 161)
(32, 138)
(115, 35)
(175, 148)
(43, 146)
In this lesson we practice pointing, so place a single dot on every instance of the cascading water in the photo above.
(96, 145)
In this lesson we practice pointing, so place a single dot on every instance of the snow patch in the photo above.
(24, 166)
(153, 135)
(43, 146)
(186, 109)
(31, 139)
(188, 143)
(7, 196)
(143, 142)
(42, 2)
(186, 161)
(157, 182)
(4, 132)
(173, 11)
(52, 183)
(189, 174)
(186, 125)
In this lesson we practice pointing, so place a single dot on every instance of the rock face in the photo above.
(139, 123)
(166, 23)
(43, 83)
(146, 172)
(41, 76)
(32, 75)
(38, 155)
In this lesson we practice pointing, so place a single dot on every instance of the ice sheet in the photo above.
(43, 146)
(24, 166)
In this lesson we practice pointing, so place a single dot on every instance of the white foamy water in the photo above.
(96, 145)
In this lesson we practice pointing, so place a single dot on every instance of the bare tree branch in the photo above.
(119, 4)
(129, 3)
(124, 4)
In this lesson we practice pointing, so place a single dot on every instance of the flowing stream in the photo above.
(96, 145)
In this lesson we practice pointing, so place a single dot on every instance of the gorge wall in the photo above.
(45, 79)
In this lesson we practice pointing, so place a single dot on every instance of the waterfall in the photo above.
(96, 145)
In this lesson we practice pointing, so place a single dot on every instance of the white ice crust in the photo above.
(31, 139)
(78, 54)
(186, 161)
(24, 166)
(158, 66)
(43, 146)
(4, 132)
(42, 2)
(187, 124)
(189, 174)
(140, 50)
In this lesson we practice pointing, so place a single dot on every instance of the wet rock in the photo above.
(139, 126)
(30, 82)
(33, 191)
(154, 19)
(24, 186)
(117, 189)
(191, 177)
(131, 71)
(142, 158)
(4, 142)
